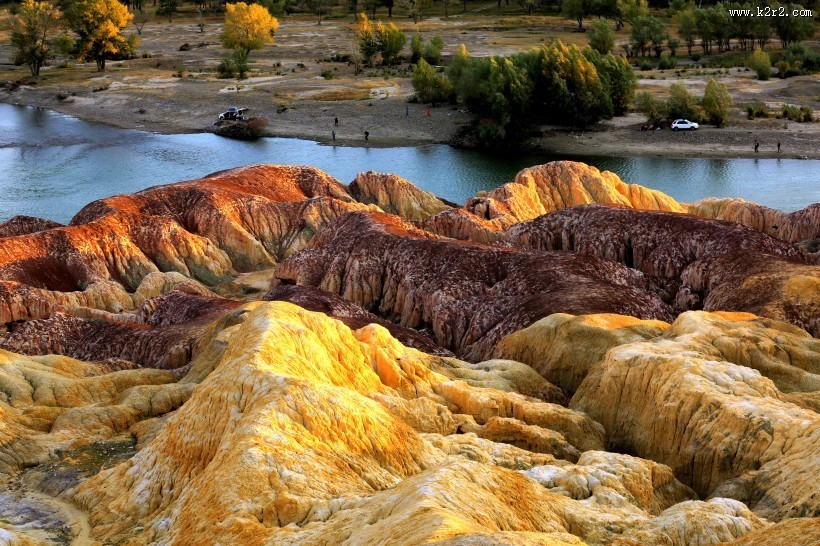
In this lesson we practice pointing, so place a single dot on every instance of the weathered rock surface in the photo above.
(468, 295)
(691, 399)
(792, 227)
(395, 195)
(271, 450)
(161, 336)
(695, 263)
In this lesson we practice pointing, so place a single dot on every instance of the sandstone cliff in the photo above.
(396, 195)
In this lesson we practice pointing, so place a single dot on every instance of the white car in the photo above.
(684, 125)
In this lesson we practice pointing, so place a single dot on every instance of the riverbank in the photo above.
(393, 122)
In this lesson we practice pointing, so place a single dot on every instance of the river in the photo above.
(51, 165)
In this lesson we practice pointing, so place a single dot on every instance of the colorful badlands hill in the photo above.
(269, 356)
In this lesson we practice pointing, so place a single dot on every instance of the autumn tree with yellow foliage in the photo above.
(99, 25)
(247, 27)
(33, 31)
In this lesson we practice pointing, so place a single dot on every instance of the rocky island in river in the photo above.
(269, 356)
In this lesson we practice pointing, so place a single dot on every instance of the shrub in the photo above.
(761, 63)
(646, 65)
(792, 113)
(654, 108)
(806, 114)
(681, 104)
(757, 110)
(416, 47)
(233, 65)
(782, 68)
(431, 86)
(666, 62)
(716, 103)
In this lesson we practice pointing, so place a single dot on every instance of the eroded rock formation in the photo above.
(23, 225)
(395, 195)
(793, 227)
(469, 295)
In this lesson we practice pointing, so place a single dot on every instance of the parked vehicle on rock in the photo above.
(684, 125)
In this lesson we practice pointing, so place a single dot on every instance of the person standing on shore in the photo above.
(366, 134)
(406, 111)
(757, 145)
(335, 122)
(778, 146)
(428, 111)
(333, 133)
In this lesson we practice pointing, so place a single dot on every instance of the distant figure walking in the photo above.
(757, 145)
(334, 135)
(406, 111)
(428, 111)
(366, 134)
(336, 122)
(778, 147)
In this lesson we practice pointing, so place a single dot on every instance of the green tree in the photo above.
(618, 79)
(167, 8)
(791, 29)
(99, 25)
(601, 36)
(366, 38)
(320, 8)
(575, 10)
(247, 27)
(390, 41)
(687, 28)
(646, 31)
(433, 49)
(761, 63)
(33, 32)
(430, 86)
(415, 8)
(626, 11)
(716, 103)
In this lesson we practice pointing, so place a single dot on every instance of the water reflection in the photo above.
(52, 165)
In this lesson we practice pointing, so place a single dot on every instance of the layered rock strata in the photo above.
(468, 295)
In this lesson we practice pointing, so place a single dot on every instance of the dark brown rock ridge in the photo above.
(162, 338)
(22, 225)
(469, 295)
(697, 263)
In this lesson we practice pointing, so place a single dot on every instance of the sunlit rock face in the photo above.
(707, 399)
(396, 195)
(542, 189)
(469, 295)
(303, 432)
(793, 227)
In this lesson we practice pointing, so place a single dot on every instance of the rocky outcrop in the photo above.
(764, 285)
(23, 225)
(563, 348)
(468, 295)
(395, 195)
(546, 188)
(791, 227)
(690, 399)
